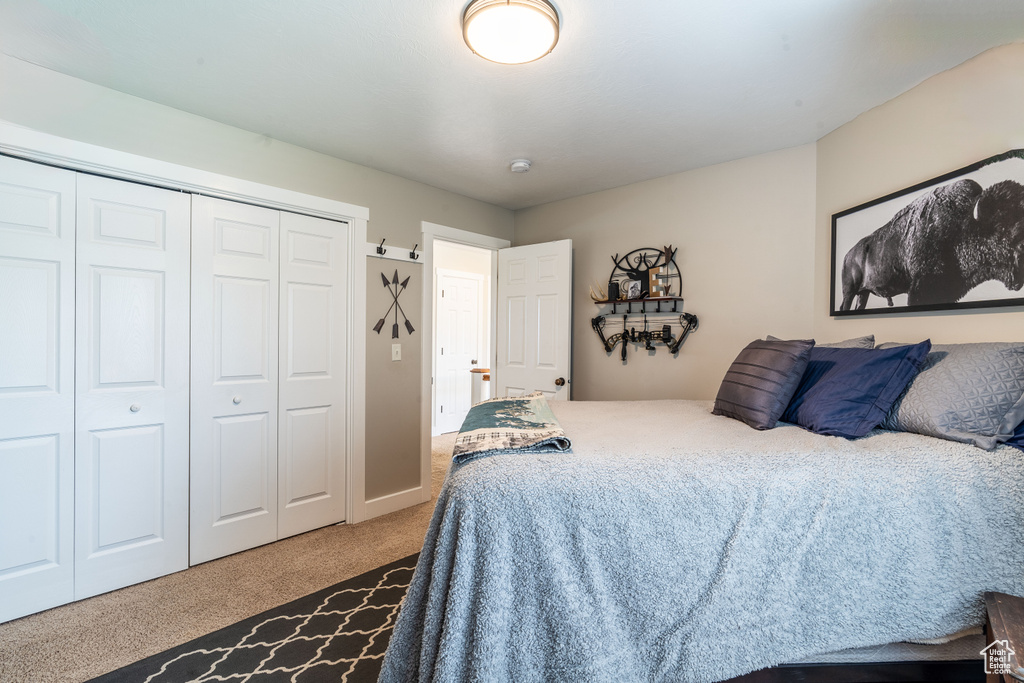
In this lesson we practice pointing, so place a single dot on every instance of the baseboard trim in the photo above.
(394, 501)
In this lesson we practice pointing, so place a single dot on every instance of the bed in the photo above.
(676, 545)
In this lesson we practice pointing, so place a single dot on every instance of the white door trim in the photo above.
(82, 156)
(432, 231)
(41, 147)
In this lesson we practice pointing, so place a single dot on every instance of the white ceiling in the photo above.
(633, 90)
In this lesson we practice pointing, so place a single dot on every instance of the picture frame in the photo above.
(631, 289)
(952, 242)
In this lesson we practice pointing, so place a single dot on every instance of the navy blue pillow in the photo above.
(848, 392)
(1017, 440)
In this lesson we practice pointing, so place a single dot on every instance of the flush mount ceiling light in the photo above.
(510, 31)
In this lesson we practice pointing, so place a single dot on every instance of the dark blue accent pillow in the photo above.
(848, 392)
(1017, 440)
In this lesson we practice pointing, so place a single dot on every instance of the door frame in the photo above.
(481, 327)
(429, 233)
(53, 150)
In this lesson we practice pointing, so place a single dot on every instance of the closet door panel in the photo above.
(126, 475)
(312, 456)
(37, 387)
(235, 254)
(127, 316)
(241, 310)
(131, 447)
(242, 459)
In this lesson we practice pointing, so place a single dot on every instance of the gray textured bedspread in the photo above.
(674, 545)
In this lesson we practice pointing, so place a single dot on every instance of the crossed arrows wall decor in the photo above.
(396, 290)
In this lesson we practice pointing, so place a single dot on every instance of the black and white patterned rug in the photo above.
(337, 634)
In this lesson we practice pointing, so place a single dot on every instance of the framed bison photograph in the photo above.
(952, 242)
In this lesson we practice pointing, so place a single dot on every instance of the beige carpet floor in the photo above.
(76, 642)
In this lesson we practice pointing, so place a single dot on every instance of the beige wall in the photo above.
(61, 105)
(53, 103)
(392, 387)
(745, 233)
(749, 230)
(951, 120)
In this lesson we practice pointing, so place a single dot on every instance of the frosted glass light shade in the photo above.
(510, 31)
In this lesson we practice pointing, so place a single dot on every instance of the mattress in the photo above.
(965, 647)
(674, 545)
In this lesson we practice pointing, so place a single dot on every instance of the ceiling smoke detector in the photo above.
(520, 165)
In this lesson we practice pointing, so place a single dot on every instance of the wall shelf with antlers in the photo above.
(647, 278)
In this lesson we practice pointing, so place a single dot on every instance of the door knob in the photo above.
(236, 400)
(560, 382)
(472, 362)
(135, 407)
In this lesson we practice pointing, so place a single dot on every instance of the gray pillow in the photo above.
(762, 380)
(972, 393)
(867, 342)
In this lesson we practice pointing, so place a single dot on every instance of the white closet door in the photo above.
(313, 343)
(132, 355)
(37, 387)
(234, 377)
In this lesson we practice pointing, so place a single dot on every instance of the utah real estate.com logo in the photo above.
(997, 657)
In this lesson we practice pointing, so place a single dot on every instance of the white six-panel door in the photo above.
(234, 377)
(37, 387)
(313, 352)
(535, 319)
(132, 384)
(458, 343)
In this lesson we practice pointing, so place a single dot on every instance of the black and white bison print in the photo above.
(940, 246)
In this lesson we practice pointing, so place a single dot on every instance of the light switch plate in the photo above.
(396, 352)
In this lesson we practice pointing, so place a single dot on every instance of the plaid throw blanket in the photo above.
(518, 424)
